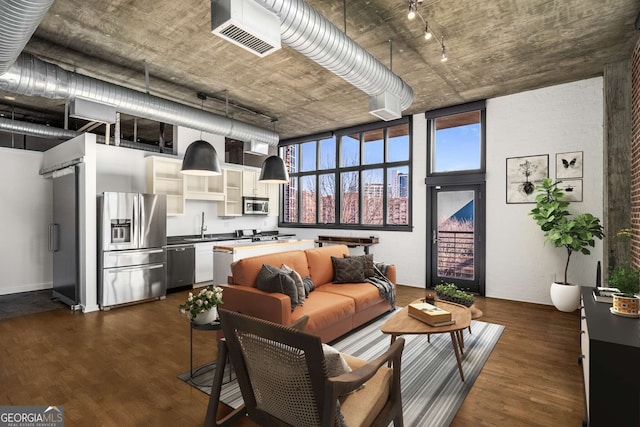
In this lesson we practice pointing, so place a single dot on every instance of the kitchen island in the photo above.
(225, 254)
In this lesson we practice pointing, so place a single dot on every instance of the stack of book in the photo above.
(604, 294)
(430, 314)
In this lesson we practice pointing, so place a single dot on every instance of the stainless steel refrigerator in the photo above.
(132, 248)
(64, 234)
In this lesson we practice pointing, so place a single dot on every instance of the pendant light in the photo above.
(274, 171)
(201, 159)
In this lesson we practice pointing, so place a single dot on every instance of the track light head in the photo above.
(413, 7)
(427, 33)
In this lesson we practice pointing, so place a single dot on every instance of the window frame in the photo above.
(431, 116)
(360, 169)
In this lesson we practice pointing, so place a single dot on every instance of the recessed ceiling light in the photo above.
(9, 98)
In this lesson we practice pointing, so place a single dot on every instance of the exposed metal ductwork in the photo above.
(18, 21)
(311, 34)
(33, 129)
(33, 77)
(42, 131)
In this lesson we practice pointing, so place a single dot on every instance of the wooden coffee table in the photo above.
(402, 324)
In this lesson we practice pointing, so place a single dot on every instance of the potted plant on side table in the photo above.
(626, 278)
(575, 234)
(202, 307)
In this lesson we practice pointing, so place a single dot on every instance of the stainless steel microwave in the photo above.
(255, 205)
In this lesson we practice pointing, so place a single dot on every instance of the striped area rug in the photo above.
(432, 391)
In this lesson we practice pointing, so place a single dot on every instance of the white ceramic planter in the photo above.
(565, 297)
(206, 317)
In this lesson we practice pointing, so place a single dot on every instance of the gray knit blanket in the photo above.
(385, 287)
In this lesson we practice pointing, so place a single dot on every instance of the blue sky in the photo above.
(457, 148)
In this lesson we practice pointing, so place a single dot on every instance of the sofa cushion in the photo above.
(319, 261)
(298, 281)
(367, 262)
(364, 294)
(272, 279)
(324, 310)
(245, 271)
(348, 270)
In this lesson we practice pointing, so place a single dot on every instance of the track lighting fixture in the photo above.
(427, 32)
(413, 8)
(443, 57)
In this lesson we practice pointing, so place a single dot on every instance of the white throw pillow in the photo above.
(298, 281)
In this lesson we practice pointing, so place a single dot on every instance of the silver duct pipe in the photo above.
(33, 129)
(311, 34)
(42, 131)
(18, 21)
(33, 77)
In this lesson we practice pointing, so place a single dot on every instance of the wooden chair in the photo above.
(283, 377)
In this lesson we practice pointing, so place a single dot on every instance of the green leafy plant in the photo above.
(551, 213)
(202, 301)
(625, 276)
(450, 292)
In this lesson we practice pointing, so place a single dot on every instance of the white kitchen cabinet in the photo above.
(204, 187)
(164, 177)
(232, 203)
(251, 186)
(204, 262)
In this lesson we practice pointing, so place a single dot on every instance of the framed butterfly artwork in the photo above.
(569, 165)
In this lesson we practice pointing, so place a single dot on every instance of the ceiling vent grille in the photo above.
(385, 106)
(246, 24)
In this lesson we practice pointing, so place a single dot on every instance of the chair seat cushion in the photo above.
(361, 408)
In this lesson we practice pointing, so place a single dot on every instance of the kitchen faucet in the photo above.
(203, 227)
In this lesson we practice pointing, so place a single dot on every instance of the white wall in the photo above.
(519, 266)
(25, 214)
(552, 120)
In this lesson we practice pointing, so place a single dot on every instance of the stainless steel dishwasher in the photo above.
(181, 266)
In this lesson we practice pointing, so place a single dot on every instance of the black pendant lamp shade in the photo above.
(201, 159)
(274, 171)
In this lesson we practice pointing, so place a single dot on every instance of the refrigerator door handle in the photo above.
(135, 268)
(53, 237)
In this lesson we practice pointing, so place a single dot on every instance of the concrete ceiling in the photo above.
(494, 47)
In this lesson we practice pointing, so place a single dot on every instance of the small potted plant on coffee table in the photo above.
(626, 278)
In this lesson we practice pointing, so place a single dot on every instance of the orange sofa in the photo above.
(333, 309)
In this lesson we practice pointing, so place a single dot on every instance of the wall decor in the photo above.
(569, 165)
(572, 190)
(523, 174)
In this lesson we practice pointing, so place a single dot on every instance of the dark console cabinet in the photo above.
(610, 346)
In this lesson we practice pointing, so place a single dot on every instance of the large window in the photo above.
(351, 178)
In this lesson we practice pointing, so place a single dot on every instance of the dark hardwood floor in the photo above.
(119, 368)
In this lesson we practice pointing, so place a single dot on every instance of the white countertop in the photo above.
(262, 244)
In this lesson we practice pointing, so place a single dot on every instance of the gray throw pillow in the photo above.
(272, 279)
(348, 270)
(308, 286)
(298, 281)
(367, 261)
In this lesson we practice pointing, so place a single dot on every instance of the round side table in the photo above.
(215, 326)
